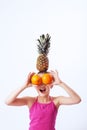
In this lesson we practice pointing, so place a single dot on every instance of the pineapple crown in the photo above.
(43, 44)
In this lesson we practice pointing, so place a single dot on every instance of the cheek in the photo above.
(48, 88)
(36, 87)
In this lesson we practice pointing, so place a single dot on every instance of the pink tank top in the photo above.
(43, 116)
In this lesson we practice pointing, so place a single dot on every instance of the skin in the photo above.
(14, 100)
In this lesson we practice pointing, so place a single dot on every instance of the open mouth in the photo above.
(42, 90)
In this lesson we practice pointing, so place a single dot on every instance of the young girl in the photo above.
(43, 108)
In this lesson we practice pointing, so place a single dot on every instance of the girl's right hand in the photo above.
(28, 82)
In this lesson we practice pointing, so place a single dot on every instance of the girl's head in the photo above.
(43, 90)
(43, 83)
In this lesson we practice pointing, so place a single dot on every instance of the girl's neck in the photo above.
(44, 99)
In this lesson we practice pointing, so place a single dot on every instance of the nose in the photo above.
(42, 85)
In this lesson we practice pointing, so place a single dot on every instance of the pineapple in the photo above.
(43, 50)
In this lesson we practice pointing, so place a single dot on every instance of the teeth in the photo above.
(42, 90)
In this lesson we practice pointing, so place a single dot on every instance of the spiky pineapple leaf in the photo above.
(43, 44)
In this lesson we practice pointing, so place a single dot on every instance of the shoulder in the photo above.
(30, 101)
(56, 101)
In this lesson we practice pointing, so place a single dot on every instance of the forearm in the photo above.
(73, 97)
(11, 98)
(70, 91)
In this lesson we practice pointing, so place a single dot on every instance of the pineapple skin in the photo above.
(42, 63)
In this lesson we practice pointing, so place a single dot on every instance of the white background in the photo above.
(21, 23)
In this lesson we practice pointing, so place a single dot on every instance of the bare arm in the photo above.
(13, 98)
(73, 97)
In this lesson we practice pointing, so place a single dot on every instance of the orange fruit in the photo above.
(47, 78)
(36, 79)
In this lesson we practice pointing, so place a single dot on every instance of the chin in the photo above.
(43, 94)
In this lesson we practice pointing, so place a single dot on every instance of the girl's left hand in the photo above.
(56, 78)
